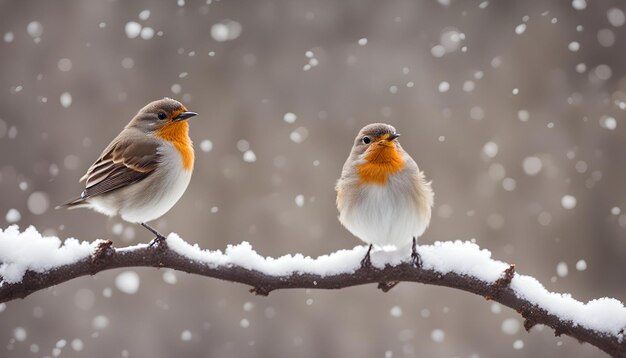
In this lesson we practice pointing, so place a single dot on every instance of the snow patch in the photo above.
(28, 250)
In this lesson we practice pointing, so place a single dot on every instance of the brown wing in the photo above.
(123, 162)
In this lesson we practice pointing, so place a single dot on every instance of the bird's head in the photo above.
(163, 116)
(378, 153)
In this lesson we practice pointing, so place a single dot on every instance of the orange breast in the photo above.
(382, 160)
(177, 133)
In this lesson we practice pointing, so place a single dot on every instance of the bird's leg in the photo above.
(416, 260)
(367, 262)
(158, 239)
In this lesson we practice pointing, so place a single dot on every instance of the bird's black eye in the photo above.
(162, 115)
(366, 140)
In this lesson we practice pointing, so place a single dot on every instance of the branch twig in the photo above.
(106, 257)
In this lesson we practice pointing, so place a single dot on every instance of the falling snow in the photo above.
(66, 99)
(561, 269)
(34, 29)
(532, 165)
(169, 276)
(100, 322)
(20, 334)
(132, 29)
(147, 33)
(606, 37)
(243, 145)
(520, 29)
(523, 115)
(568, 202)
(438, 51)
(490, 149)
(608, 122)
(128, 63)
(185, 335)
(438, 335)
(206, 146)
(299, 200)
(8, 37)
(573, 46)
(395, 311)
(603, 72)
(289, 117)
(510, 326)
(299, 135)
(64, 65)
(127, 282)
(38, 202)
(226, 30)
(77, 345)
(616, 17)
(144, 15)
(249, 156)
(443, 87)
(509, 184)
(13, 216)
(579, 4)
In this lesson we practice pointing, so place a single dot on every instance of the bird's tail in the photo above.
(74, 204)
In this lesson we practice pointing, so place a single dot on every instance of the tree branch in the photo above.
(106, 257)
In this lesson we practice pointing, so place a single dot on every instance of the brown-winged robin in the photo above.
(145, 170)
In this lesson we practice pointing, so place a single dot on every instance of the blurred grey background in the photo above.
(514, 109)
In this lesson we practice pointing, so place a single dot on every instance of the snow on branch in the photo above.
(30, 262)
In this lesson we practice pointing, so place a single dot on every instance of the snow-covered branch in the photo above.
(30, 262)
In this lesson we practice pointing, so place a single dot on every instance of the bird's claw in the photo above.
(416, 259)
(366, 262)
(157, 241)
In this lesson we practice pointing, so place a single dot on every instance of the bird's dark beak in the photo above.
(184, 115)
(393, 136)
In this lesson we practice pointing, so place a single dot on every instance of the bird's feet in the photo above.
(367, 262)
(158, 240)
(416, 260)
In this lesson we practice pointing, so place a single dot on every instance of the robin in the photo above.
(382, 196)
(143, 172)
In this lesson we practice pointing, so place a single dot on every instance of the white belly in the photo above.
(173, 188)
(384, 215)
(150, 198)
